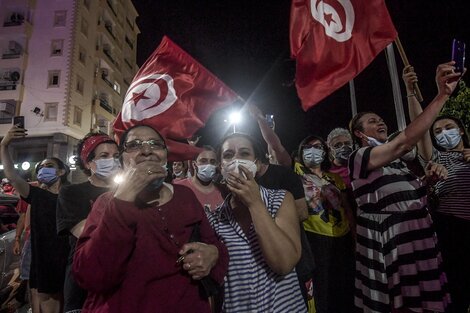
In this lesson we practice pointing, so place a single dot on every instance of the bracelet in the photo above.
(411, 95)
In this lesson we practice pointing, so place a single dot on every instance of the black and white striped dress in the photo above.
(250, 285)
(397, 262)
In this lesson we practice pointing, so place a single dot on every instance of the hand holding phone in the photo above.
(458, 55)
(18, 121)
(270, 120)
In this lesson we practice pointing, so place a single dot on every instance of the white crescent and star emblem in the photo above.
(148, 96)
(339, 23)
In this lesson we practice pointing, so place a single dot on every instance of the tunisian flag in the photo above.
(333, 41)
(175, 94)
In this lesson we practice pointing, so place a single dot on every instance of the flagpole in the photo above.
(419, 96)
(352, 94)
(392, 68)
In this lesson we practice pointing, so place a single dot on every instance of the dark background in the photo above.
(246, 44)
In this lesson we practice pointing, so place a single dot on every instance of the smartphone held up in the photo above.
(458, 55)
(18, 121)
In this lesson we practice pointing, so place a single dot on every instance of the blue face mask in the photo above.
(47, 175)
(157, 183)
(107, 167)
(313, 156)
(206, 172)
(449, 138)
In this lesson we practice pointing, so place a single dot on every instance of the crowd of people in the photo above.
(363, 221)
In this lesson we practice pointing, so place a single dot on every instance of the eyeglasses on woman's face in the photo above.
(137, 145)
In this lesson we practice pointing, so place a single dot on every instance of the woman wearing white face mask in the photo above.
(328, 228)
(261, 231)
(448, 144)
(98, 159)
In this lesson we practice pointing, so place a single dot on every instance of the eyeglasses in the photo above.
(317, 146)
(340, 144)
(137, 144)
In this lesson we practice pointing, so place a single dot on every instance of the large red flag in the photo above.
(333, 41)
(175, 94)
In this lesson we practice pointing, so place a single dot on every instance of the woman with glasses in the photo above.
(98, 158)
(398, 264)
(327, 228)
(48, 251)
(135, 254)
(448, 144)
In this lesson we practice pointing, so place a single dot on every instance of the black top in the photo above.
(281, 177)
(73, 206)
(48, 251)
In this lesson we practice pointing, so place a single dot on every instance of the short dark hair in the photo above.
(326, 164)
(81, 163)
(259, 153)
(466, 142)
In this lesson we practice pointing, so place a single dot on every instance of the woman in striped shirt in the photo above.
(397, 261)
(452, 215)
(261, 231)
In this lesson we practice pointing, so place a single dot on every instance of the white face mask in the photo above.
(232, 166)
(449, 138)
(313, 156)
(373, 142)
(107, 167)
(206, 172)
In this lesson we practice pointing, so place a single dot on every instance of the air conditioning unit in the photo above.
(7, 107)
(14, 47)
(13, 76)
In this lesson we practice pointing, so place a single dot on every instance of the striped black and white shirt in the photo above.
(251, 285)
(454, 192)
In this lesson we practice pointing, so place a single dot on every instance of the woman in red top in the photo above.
(134, 254)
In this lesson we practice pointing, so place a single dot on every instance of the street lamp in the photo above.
(25, 166)
(234, 118)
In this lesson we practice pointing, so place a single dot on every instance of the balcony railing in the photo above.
(8, 85)
(11, 56)
(111, 7)
(108, 82)
(129, 23)
(105, 105)
(13, 23)
(129, 43)
(110, 30)
(128, 63)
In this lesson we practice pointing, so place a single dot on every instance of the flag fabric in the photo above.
(176, 95)
(333, 41)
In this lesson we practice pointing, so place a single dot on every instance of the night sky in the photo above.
(246, 44)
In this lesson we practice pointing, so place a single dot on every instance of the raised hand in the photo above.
(14, 133)
(446, 78)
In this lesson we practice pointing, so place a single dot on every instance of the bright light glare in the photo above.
(235, 117)
(118, 179)
(72, 159)
(25, 166)
(15, 166)
(1, 167)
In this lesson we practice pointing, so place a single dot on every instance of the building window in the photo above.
(60, 18)
(117, 87)
(53, 79)
(56, 47)
(84, 27)
(82, 55)
(80, 85)
(50, 112)
(77, 116)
